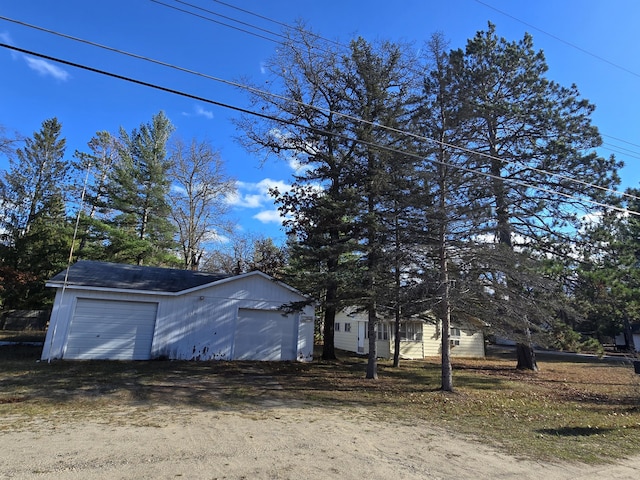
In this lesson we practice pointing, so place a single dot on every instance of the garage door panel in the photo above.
(265, 335)
(109, 329)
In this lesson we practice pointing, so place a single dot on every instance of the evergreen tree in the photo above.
(311, 134)
(379, 82)
(35, 239)
(606, 288)
(449, 203)
(141, 231)
(96, 166)
(535, 142)
(268, 258)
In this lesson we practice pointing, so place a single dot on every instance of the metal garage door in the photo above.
(265, 335)
(113, 330)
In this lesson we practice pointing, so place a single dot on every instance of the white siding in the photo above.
(413, 350)
(197, 325)
(471, 341)
(432, 340)
(201, 325)
(344, 340)
(471, 344)
(348, 341)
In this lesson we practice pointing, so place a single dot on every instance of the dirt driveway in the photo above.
(269, 442)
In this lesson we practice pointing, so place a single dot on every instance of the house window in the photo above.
(410, 332)
(337, 327)
(347, 326)
(454, 336)
(383, 331)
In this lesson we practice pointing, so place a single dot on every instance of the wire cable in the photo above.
(555, 37)
(324, 110)
(316, 130)
(218, 22)
(282, 24)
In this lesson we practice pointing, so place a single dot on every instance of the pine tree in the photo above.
(141, 231)
(532, 138)
(95, 168)
(35, 241)
(315, 137)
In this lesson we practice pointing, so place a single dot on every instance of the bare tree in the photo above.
(199, 187)
(245, 253)
(9, 142)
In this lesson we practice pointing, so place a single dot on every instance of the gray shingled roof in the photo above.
(132, 277)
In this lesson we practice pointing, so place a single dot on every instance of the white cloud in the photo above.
(298, 167)
(255, 195)
(201, 112)
(294, 160)
(269, 216)
(213, 236)
(44, 68)
(263, 68)
(6, 38)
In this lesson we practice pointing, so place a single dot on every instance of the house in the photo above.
(126, 312)
(419, 337)
(622, 343)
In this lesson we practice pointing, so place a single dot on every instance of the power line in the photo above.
(277, 22)
(270, 32)
(555, 37)
(321, 109)
(218, 22)
(628, 153)
(311, 128)
(621, 140)
(631, 153)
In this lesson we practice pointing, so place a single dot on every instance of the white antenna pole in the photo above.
(66, 273)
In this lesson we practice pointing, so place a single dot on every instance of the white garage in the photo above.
(111, 311)
(111, 329)
(264, 336)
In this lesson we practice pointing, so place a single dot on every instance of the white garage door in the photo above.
(265, 335)
(111, 330)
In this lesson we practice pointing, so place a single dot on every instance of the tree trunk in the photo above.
(447, 371)
(330, 308)
(396, 340)
(328, 333)
(526, 357)
(398, 286)
(628, 337)
(372, 364)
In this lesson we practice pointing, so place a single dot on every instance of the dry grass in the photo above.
(568, 411)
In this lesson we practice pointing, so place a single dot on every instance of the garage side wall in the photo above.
(201, 325)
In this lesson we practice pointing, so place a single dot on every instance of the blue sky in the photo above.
(587, 42)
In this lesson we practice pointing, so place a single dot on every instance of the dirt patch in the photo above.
(264, 443)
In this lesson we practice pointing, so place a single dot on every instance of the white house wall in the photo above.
(199, 325)
(348, 341)
(471, 341)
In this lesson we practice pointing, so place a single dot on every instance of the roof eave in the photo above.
(111, 289)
